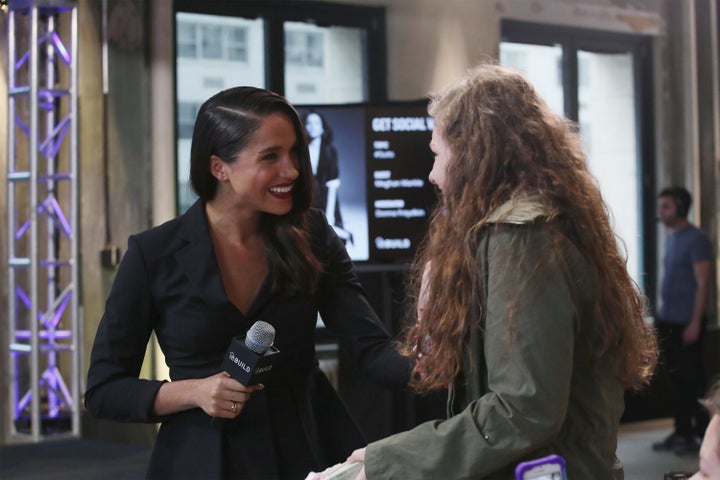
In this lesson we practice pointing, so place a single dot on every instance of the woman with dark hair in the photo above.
(527, 313)
(250, 248)
(326, 170)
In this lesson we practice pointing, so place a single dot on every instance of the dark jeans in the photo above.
(685, 368)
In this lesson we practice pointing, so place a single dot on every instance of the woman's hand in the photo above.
(219, 396)
(222, 396)
(358, 456)
(355, 457)
(322, 475)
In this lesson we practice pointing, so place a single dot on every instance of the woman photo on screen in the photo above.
(251, 248)
(326, 170)
(527, 314)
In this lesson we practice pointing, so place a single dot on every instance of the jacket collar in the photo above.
(198, 261)
(197, 257)
(524, 208)
(194, 223)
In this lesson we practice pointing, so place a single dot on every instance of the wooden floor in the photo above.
(641, 462)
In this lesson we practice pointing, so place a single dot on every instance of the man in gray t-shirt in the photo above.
(680, 324)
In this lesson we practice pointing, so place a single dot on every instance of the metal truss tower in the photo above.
(42, 230)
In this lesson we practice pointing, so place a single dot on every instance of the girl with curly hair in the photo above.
(524, 308)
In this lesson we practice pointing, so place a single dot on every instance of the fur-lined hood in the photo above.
(524, 208)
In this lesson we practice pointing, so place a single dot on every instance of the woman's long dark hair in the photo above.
(506, 142)
(225, 125)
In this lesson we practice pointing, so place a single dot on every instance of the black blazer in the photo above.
(169, 282)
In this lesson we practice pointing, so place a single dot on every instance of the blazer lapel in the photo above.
(197, 258)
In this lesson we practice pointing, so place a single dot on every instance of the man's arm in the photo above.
(702, 270)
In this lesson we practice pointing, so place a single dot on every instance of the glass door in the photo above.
(606, 117)
(601, 81)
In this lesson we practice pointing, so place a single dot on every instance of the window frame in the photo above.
(276, 12)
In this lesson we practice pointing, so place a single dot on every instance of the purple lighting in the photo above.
(27, 334)
(49, 148)
(23, 126)
(54, 211)
(58, 313)
(55, 208)
(60, 47)
(22, 60)
(23, 298)
(21, 231)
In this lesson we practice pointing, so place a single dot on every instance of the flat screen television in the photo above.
(374, 159)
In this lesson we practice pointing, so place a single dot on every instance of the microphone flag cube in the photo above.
(246, 366)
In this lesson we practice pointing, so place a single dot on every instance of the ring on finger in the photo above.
(233, 408)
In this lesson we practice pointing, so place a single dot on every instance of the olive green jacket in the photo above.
(529, 387)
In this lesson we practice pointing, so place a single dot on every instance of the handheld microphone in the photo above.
(249, 360)
(260, 337)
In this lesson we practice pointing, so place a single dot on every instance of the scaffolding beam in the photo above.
(42, 222)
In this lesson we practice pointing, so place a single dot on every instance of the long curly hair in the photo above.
(505, 141)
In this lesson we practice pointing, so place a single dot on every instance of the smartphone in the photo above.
(551, 467)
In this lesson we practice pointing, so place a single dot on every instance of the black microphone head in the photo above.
(260, 337)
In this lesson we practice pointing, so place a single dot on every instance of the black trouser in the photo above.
(685, 367)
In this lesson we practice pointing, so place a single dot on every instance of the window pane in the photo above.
(304, 49)
(211, 41)
(606, 99)
(540, 64)
(186, 119)
(237, 48)
(186, 40)
(232, 53)
(324, 64)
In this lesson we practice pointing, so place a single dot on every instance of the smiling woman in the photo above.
(262, 173)
(249, 249)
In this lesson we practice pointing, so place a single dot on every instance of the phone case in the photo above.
(525, 467)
